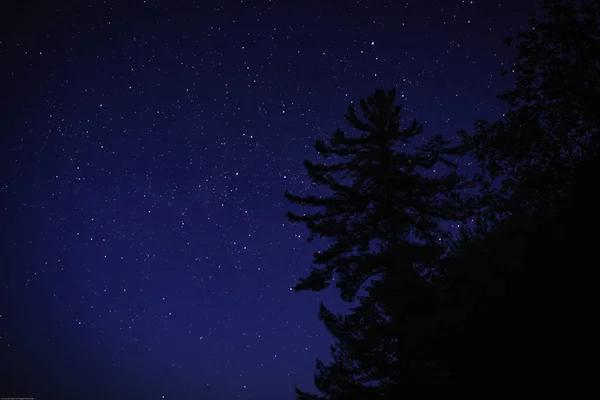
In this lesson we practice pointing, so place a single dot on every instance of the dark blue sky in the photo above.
(145, 149)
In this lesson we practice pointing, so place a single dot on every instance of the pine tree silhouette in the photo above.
(383, 217)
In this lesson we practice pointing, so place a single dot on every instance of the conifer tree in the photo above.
(383, 218)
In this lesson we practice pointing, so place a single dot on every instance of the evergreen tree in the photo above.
(383, 219)
(553, 122)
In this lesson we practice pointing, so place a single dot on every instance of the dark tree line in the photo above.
(513, 297)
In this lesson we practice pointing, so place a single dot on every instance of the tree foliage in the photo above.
(518, 288)
(380, 198)
(518, 299)
(553, 121)
(383, 218)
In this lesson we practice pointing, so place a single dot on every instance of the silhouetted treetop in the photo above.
(380, 197)
(554, 121)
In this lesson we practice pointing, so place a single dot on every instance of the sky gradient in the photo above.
(145, 147)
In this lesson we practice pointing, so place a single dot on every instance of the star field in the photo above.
(145, 149)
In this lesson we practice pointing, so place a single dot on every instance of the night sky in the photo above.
(145, 148)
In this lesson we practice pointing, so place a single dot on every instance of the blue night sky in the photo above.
(145, 148)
